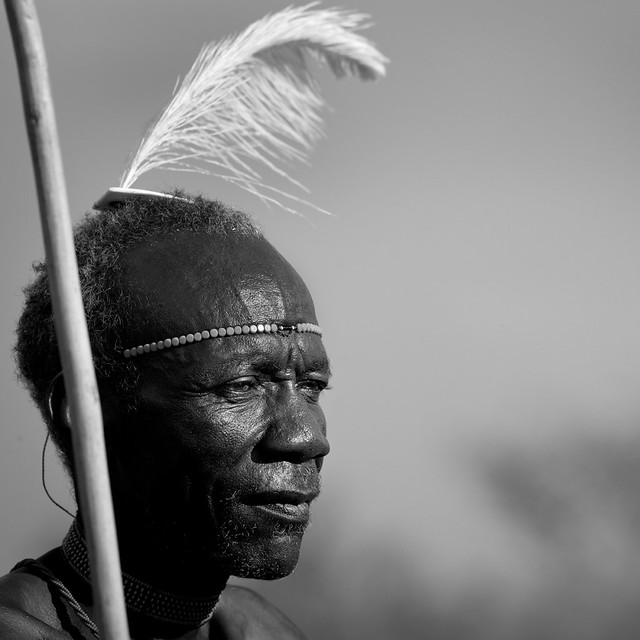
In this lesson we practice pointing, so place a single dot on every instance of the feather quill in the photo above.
(251, 101)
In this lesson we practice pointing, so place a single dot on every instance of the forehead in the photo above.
(187, 282)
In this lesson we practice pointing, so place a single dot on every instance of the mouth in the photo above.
(287, 506)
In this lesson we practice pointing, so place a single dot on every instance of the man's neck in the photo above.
(167, 611)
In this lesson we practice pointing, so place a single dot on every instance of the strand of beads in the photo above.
(222, 332)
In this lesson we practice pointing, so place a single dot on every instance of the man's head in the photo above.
(215, 446)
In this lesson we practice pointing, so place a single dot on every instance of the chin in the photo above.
(252, 542)
(262, 559)
(264, 570)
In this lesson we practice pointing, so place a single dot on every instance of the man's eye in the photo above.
(312, 388)
(240, 388)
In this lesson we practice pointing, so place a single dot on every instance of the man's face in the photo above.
(221, 458)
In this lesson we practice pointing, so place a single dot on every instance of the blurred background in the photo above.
(477, 285)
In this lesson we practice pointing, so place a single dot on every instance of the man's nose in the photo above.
(297, 429)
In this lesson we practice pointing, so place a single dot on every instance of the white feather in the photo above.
(251, 100)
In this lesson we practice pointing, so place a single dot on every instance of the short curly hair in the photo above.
(101, 239)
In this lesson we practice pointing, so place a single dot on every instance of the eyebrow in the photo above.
(320, 364)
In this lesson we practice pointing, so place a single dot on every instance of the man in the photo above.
(210, 365)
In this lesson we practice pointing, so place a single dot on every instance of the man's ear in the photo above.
(58, 404)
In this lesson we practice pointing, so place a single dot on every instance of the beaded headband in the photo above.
(222, 332)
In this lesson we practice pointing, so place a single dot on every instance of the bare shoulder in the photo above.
(23, 609)
(242, 614)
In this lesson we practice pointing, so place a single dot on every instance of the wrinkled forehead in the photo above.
(186, 282)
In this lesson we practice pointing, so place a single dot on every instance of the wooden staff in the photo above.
(71, 328)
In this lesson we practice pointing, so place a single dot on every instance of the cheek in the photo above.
(204, 437)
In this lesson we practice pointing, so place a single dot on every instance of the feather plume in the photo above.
(251, 100)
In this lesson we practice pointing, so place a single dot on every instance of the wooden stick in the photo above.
(71, 329)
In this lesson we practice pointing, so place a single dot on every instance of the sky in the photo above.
(476, 284)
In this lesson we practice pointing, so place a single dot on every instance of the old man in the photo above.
(210, 366)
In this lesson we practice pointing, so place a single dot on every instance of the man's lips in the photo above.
(291, 506)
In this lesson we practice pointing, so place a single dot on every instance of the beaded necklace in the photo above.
(140, 596)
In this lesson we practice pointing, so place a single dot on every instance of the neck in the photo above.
(143, 599)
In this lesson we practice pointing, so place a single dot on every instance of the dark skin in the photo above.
(214, 472)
